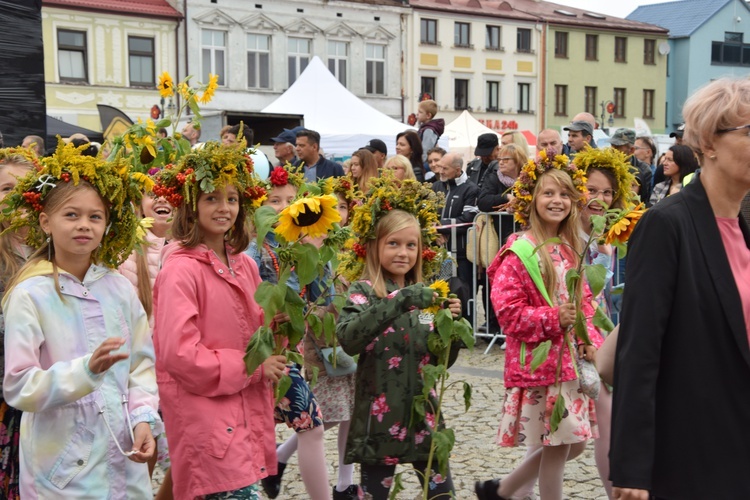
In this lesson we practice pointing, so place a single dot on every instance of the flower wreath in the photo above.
(206, 169)
(614, 160)
(114, 182)
(533, 169)
(345, 187)
(384, 195)
(8, 155)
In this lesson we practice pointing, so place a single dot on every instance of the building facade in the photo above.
(106, 53)
(708, 39)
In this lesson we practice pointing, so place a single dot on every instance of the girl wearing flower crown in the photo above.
(14, 164)
(218, 419)
(531, 301)
(298, 408)
(384, 324)
(79, 356)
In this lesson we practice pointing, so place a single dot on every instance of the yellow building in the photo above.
(112, 52)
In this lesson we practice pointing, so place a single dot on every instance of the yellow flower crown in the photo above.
(26, 154)
(384, 195)
(112, 180)
(614, 160)
(533, 169)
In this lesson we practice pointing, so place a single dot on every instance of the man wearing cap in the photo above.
(580, 135)
(378, 149)
(283, 146)
(487, 147)
(624, 140)
(677, 134)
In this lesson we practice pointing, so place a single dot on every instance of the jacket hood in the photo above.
(200, 253)
(437, 126)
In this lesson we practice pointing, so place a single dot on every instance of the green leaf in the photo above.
(327, 253)
(265, 218)
(571, 281)
(270, 298)
(598, 223)
(444, 441)
(417, 410)
(581, 328)
(444, 323)
(622, 248)
(602, 321)
(430, 375)
(396, 487)
(462, 328)
(259, 349)
(550, 241)
(467, 395)
(284, 384)
(596, 275)
(306, 257)
(314, 380)
(539, 354)
(163, 123)
(339, 301)
(194, 108)
(315, 324)
(558, 411)
(294, 357)
(329, 326)
(435, 344)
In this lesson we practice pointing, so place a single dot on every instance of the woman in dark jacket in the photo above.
(682, 372)
(496, 187)
(409, 145)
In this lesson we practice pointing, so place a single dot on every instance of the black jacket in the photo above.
(642, 172)
(461, 205)
(682, 374)
(325, 168)
(478, 171)
(491, 195)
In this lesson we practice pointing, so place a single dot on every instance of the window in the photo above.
(590, 100)
(141, 61)
(621, 49)
(427, 87)
(731, 51)
(648, 103)
(649, 51)
(428, 30)
(592, 47)
(461, 96)
(493, 96)
(71, 56)
(524, 98)
(523, 40)
(338, 55)
(561, 44)
(619, 103)
(258, 61)
(298, 57)
(213, 54)
(492, 40)
(561, 100)
(462, 35)
(375, 64)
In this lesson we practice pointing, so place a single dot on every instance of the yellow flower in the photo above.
(208, 94)
(166, 85)
(623, 227)
(144, 180)
(442, 289)
(313, 216)
(257, 202)
(184, 90)
(150, 127)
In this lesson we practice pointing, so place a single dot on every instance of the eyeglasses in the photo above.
(130, 427)
(607, 193)
(725, 130)
(504, 159)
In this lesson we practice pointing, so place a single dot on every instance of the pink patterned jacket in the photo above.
(527, 320)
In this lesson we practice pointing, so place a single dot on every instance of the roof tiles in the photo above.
(141, 8)
(680, 18)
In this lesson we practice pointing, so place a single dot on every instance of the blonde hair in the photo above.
(517, 153)
(392, 222)
(719, 105)
(8, 258)
(569, 230)
(429, 106)
(369, 166)
(518, 139)
(401, 161)
(54, 201)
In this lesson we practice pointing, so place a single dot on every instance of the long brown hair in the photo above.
(185, 228)
(369, 167)
(568, 232)
(393, 221)
(8, 258)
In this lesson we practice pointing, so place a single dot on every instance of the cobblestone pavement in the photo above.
(475, 455)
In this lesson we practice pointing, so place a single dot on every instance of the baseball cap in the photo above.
(288, 135)
(580, 126)
(376, 145)
(622, 136)
(679, 132)
(486, 144)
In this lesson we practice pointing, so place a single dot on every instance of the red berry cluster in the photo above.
(255, 192)
(386, 205)
(33, 198)
(248, 164)
(360, 250)
(169, 193)
(65, 177)
(428, 254)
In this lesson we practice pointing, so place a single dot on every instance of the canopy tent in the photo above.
(344, 122)
(57, 127)
(462, 135)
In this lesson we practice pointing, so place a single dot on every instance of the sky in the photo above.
(618, 8)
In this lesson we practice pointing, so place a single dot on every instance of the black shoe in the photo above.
(351, 493)
(272, 484)
(487, 490)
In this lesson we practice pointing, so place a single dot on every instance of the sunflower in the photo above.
(208, 94)
(313, 215)
(166, 85)
(442, 289)
(623, 226)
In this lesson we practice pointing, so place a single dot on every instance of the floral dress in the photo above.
(526, 412)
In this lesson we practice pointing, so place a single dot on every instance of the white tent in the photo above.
(344, 122)
(462, 135)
